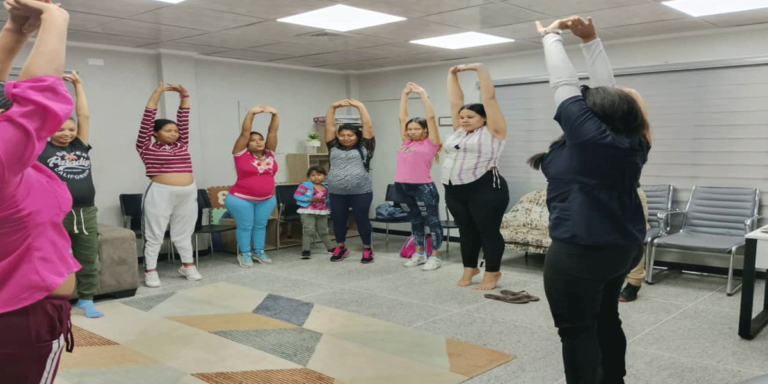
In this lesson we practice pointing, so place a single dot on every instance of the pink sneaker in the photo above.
(367, 256)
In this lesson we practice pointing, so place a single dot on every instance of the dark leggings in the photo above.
(478, 208)
(582, 283)
(361, 207)
(421, 203)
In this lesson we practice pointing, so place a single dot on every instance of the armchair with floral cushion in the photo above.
(526, 226)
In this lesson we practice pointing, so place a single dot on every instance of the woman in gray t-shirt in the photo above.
(349, 183)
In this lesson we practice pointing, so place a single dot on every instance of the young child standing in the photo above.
(312, 197)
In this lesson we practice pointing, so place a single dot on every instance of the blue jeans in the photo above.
(421, 203)
(251, 218)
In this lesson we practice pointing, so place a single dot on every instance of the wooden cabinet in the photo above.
(298, 163)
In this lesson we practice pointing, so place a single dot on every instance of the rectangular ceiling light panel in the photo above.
(462, 40)
(341, 18)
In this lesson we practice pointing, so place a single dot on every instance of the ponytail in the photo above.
(536, 160)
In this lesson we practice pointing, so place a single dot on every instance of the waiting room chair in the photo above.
(286, 207)
(203, 206)
(390, 197)
(659, 200)
(715, 221)
(448, 224)
(131, 205)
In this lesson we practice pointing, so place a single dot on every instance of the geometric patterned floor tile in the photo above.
(277, 376)
(89, 339)
(231, 322)
(410, 344)
(230, 295)
(154, 374)
(286, 309)
(225, 334)
(296, 345)
(471, 360)
(146, 303)
(112, 356)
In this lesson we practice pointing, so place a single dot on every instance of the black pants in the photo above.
(361, 208)
(582, 283)
(478, 208)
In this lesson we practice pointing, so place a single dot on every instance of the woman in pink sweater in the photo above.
(37, 270)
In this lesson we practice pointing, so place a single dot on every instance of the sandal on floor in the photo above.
(521, 293)
(522, 299)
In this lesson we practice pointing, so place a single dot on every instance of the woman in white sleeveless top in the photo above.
(475, 193)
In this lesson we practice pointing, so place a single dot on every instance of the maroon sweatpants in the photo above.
(32, 339)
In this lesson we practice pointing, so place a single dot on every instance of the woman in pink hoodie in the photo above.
(37, 270)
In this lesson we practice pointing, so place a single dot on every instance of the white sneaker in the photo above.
(416, 259)
(152, 279)
(432, 264)
(190, 273)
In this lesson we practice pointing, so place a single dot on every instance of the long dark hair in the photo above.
(536, 160)
(476, 108)
(617, 109)
(160, 123)
(357, 129)
(422, 122)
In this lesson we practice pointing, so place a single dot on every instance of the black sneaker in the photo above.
(629, 293)
(306, 255)
(367, 256)
(339, 254)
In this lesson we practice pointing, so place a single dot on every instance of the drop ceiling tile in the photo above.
(79, 21)
(635, 14)
(114, 8)
(757, 16)
(500, 49)
(196, 18)
(445, 55)
(249, 55)
(267, 32)
(306, 61)
(412, 8)
(174, 46)
(290, 49)
(411, 29)
(348, 56)
(399, 49)
(144, 30)
(226, 41)
(100, 38)
(559, 8)
(351, 66)
(399, 61)
(266, 9)
(485, 16)
(661, 27)
(336, 41)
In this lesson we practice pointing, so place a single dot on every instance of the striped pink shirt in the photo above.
(162, 158)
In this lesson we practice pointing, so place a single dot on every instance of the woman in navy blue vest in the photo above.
(596, 217)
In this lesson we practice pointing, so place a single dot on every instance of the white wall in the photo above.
(381, 90)
(118, 91)
(297, 95)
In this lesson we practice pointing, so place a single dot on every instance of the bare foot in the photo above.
(489, 281)
(469, 273)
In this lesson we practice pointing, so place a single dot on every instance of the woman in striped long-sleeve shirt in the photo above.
(171, 195)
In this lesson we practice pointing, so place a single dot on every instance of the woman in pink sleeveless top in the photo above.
(251, 200)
